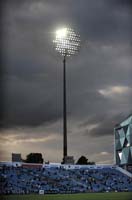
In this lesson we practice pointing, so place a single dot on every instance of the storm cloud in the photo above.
(99, 92)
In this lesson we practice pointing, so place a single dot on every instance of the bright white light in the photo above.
(62, 33)
(67, 42)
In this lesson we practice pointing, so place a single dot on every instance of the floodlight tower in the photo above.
(67, 43)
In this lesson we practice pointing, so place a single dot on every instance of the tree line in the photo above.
(37, 158)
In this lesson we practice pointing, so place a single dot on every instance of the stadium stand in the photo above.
(26, 179)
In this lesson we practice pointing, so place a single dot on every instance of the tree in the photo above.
(82, 161)
(34, 158)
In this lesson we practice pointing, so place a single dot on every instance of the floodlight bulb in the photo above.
(62, 33)
(67, 42)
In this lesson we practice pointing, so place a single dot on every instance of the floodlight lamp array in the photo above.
(67, 42)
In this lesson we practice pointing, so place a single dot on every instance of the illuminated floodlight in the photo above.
(62, 33)
(67, 42)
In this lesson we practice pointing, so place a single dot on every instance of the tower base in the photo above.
(68, 160)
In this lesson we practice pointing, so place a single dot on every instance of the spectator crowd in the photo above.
(23, 180)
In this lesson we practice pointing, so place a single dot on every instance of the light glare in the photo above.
(62, 33)
(67, 42)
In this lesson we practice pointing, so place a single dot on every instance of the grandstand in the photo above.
(58, 178)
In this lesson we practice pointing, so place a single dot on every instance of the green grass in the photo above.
(88, 196)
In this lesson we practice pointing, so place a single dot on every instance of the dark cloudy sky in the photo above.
(99, 78)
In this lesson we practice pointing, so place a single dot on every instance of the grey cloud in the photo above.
(109, 24)
(41, 94)
(32, 70)
(123, 3)
(106, 125)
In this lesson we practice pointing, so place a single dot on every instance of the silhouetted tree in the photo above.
(34, 158)
(82, 161)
